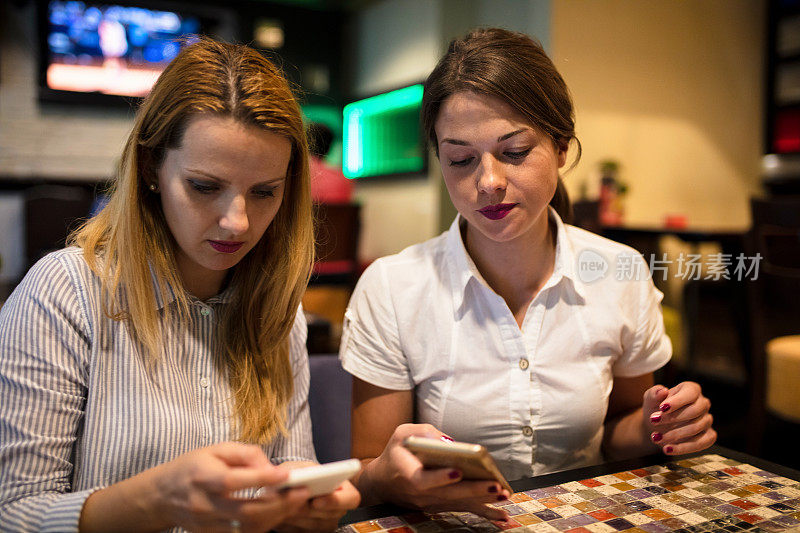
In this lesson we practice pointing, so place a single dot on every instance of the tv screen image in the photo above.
(110, 48)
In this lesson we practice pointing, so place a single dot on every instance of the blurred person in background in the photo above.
(328, 184)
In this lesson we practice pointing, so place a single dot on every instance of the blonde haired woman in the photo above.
(135, 365)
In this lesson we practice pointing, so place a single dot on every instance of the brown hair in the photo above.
(514, 68)
(129, 242)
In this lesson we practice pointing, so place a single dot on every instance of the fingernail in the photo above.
(501, 498)
(656, 436)
(446, 438)
(493, 488)
(655, 418)
(667, 449)
(664, 407)
(454, 474)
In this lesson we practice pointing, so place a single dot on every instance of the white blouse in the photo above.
(535, 396)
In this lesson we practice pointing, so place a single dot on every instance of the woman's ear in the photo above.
(562, 146)
(562, 158)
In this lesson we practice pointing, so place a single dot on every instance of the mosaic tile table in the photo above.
(695, 495)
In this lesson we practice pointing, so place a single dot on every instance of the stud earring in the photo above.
(153, 187)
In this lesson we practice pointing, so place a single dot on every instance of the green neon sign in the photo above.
(382, 134)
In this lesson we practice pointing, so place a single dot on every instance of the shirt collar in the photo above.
(169, 296)
(464, 269)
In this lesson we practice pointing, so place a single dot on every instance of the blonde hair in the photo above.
(128, 242)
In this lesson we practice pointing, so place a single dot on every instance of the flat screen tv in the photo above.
(100, 52)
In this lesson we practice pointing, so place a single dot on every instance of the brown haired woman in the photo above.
(136, 365)
(489, 333)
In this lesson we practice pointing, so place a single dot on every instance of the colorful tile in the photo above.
(750, 518)
(657, 514)
(513, 509)
(527, 519)
(600, 527)
(654, 527)
(547, 515)
(588, 494)
(602, 515)
(551, 502)
(674, 523)
(758, 489)
(623, 497)
(744, 504)
(390, 522)
(585, 507)
(605, 502)
(639, 494)
(367, 527)
(620, 524)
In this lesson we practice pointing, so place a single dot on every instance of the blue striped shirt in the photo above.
(80, 411)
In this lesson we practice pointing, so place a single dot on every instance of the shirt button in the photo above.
(527, 431)
(523, 364)
(204, 382)
(205, 311)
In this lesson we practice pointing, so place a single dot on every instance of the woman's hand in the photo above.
(398, 476)
(197, 490)
(323, 512)
(679, 418)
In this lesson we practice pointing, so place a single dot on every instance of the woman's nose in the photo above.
(234, 216)
(491, 177)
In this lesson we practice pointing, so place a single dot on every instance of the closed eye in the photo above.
(265, 193)
(517, 155)
(461, 162)
(203, 187)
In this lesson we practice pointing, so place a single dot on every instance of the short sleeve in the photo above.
(370, 348)
(44, 346)
(647, 348)
(297, 444)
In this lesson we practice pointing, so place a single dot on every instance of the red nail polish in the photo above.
(655, 418)
(664, 407)
(446, 438)
(454, 474)
(493, 488)
(667, 449)
(656, 436)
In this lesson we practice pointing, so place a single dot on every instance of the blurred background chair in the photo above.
(586, 215)
(336, 270)
(338, 227)
(329, 402)
(51, 211)
(774, 311)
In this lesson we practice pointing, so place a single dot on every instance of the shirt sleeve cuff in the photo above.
(657, 359)
(291, 458)
(65, 512)
(375, 376)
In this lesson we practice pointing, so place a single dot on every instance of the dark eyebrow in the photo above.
(216, 178)
(499, 139)
(509, 135)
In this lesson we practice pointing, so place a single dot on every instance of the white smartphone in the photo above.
(473, 460)
(322, 479)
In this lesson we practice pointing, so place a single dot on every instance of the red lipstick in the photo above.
(226, 247)
(496, 211)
